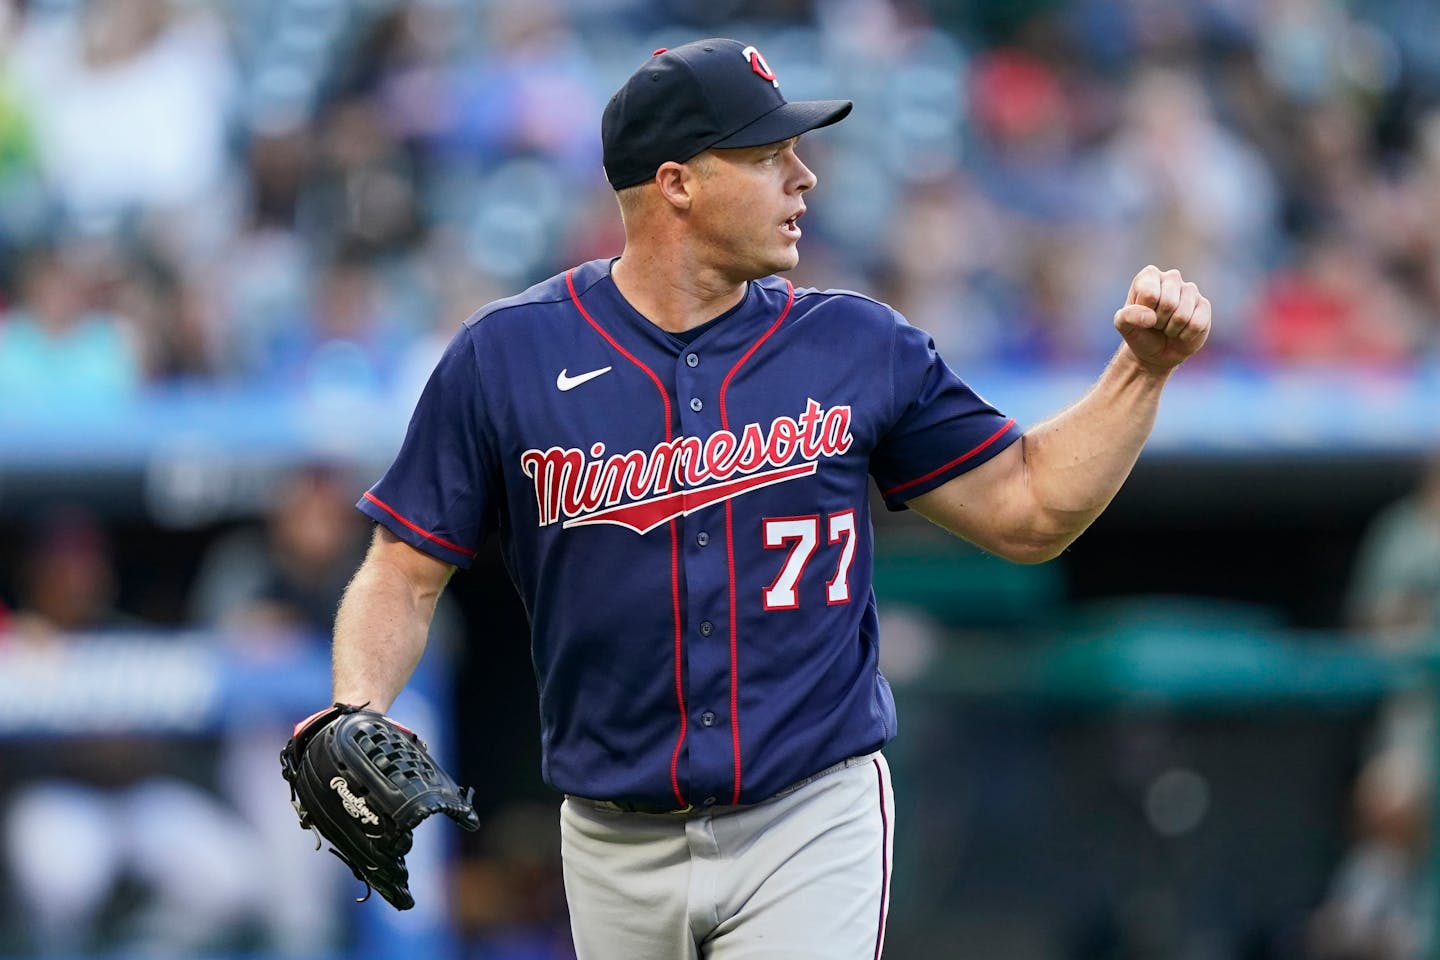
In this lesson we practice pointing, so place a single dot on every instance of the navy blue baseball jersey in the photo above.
(687, 520)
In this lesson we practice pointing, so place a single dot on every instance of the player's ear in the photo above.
(677, 184)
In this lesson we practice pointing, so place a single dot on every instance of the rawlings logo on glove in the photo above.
(363, 782)
(355, 806)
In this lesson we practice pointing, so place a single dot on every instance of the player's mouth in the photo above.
(790, 228)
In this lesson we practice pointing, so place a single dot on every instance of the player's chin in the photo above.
(785, 258)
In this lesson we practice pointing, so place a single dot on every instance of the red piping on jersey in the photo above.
(960, 459)
(674, 540)
(884, 859)
(730, 547)
(424, 533)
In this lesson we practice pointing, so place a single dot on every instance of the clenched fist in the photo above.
(1164, 320)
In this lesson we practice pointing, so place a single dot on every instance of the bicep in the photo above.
(988, 505)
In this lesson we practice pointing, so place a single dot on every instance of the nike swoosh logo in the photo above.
(566, 382)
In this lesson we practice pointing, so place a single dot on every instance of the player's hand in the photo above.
(1165, 319)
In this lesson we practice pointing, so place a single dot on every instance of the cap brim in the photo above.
(786, 121)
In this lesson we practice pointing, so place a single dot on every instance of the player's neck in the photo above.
(671, 293)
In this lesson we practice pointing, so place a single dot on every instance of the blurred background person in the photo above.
(57, 350)
(284, 576)
(95, 821)
(1379, 905)
(130, 101)
(1395, 592)
(66, 581)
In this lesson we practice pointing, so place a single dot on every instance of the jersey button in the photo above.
(696, 404)
(692, 360)
(706, 628)
(702, 538)
(707, 718)
(708, 802)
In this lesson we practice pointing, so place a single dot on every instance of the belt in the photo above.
(627, 806)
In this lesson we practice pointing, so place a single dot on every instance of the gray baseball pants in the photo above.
(804, 875)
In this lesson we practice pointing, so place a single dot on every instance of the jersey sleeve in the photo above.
(941, 427)
(440, 491)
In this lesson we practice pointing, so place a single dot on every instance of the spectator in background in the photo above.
(56, 350)
(1025, 149)
(130, 99)
(1039, 235)
(178, 318)
(289, 576)
(458, 286)
(360, 196)
(1336, 305)
(948, 247)
(22, 200)
(66, 583)
(1410, 223)
(1395, 594)
(498, 126)
(530, 91)
(110, 846)
(1173, 185)
(260, 284)
(1378, 906)
(345, 346)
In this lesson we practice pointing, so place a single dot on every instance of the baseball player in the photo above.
(674, 447)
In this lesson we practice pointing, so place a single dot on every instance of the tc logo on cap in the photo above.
(758, 64)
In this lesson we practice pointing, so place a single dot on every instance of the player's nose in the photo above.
(805, 177)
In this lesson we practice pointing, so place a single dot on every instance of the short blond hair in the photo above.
(631, 198)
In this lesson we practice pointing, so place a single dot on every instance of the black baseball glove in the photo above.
(363, 782)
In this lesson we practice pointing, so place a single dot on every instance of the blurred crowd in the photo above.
(311, 194)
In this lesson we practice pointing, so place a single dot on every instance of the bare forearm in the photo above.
(1077, 461)
(380, 633)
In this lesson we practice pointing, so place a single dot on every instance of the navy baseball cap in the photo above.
(685, 100)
